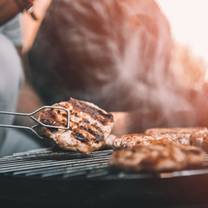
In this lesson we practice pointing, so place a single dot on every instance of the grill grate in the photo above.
(48, 163)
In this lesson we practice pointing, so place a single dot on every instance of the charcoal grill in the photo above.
(51, 177)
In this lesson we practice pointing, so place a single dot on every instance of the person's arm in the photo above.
(10, 8)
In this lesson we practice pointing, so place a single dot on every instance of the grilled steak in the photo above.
(157, 157)
(89, 126)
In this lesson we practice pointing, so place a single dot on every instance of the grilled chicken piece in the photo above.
(157, 157)
(176, 135)
(200, 139)
(187, 136)
(131, 140)
(89, 126)
(172, 131)
(128, 140)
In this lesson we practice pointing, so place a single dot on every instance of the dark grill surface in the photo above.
(50, 163)
(54, 178)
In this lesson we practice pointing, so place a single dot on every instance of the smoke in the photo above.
(118, 54)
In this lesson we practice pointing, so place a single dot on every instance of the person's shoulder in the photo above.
(13, 23)
(12, 30)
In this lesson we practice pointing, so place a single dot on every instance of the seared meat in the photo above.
(157, 157)
(131, 140)
(200, 139)
(158, 150)
(89, 126)
(128, 140)
(174, 131)
(187, 136)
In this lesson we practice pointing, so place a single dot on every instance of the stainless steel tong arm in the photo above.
(38, 122)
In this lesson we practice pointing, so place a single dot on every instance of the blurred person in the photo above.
(115, 53)
(11, 72)
(118, 54)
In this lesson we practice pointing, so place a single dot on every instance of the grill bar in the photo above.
(50, 163)
(61, 167)
(46, 161)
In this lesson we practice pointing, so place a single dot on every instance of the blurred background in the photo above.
(188, 23)
(187, 19)
(186, 90)
(145, 60)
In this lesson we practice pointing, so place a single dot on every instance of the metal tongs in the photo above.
(38, 123)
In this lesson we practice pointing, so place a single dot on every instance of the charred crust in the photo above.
(80, 137)
(49, 117)
(98, 136)
(95, 113)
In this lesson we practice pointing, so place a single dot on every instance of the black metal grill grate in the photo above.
(49, 163)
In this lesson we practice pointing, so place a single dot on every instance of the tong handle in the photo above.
(32, 128)
(38, 123)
